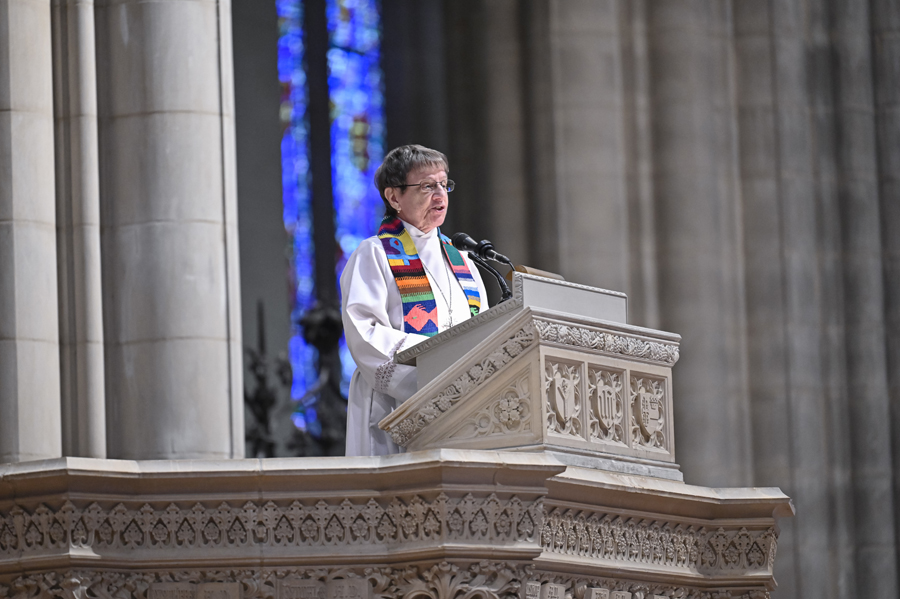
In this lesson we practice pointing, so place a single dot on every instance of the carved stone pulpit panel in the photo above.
(595, 392)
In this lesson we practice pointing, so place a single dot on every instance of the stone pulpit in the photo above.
(540, 464)
(556, 369)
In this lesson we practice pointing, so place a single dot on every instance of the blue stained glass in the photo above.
(357, 129)
(357, 147)
(297, 213)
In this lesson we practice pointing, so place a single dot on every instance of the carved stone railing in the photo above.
(435, 524)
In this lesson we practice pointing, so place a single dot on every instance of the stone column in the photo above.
(790, 403)
(643, 289)
(885, 18)
(765, 279)
(869, 422)
(504, 121)
(698, 235)
(78, 232)
(29, 331)
(587, 94)
(170, 268)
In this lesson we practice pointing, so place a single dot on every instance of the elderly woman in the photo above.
(400, 287)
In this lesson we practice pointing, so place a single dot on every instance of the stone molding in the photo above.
(382, 522)
(431, 580)
(476, 375)
(348, 526)
(692, 549)
(615, 344)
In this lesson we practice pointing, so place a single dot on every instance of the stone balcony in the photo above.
(442, 523)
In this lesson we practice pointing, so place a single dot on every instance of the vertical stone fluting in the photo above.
(791, 407)
(820, 90)
(762, 226)
(29, 330)
(697, 236)
(78, 230)
(540, 147)
(588, 127)
(169, 238)
(505, 125)
(643, 291)
(864, 320)
(885, 18)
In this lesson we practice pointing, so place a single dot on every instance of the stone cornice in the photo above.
(607, 340)
(260, 518)
(333, 531)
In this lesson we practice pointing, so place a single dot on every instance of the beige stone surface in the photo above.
(82, 372)
(460, 519)
(171, 272)
(531, 376)
(172, 399)
(29, 364)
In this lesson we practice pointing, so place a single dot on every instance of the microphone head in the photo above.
(463, 242)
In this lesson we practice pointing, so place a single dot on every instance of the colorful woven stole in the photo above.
(419, 307)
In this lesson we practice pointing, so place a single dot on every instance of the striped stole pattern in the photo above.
(419, 307)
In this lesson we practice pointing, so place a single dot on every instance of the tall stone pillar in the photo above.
(790, 402)
(504, 121)
(698, 235)
(885, 18)
(869, 425)
(170, 268)
(586, 105)
(29, 332)
(78, 232)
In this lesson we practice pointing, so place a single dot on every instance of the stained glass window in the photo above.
(357, 148)
(296, 190)
(357, 127)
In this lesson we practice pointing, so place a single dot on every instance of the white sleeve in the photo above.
(372, 313)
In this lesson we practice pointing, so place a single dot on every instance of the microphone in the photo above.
(480, 252)
(483, 249)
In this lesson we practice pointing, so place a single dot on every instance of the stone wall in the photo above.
(732, 167)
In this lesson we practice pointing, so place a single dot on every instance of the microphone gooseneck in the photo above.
(504, 288)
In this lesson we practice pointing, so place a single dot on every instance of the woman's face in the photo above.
(422, 210)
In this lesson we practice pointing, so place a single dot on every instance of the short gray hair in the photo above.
(399, 163)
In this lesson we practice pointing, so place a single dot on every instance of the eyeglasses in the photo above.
(429, 187)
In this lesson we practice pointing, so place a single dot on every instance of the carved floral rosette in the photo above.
(476, 375)
(431, 580)
(509, 414)
(201, 528)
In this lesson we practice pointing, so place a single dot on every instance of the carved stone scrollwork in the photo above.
(476, 375)
(510, 413)
(607, 342)
(641, 541)
(606, 403)
(386, 521)
(562, 385)
(648, 413)
(441, 580)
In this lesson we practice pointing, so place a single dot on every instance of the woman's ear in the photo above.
(390, 194)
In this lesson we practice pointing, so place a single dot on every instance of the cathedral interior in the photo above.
(182, 181)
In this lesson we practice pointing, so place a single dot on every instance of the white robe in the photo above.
(372, 312)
